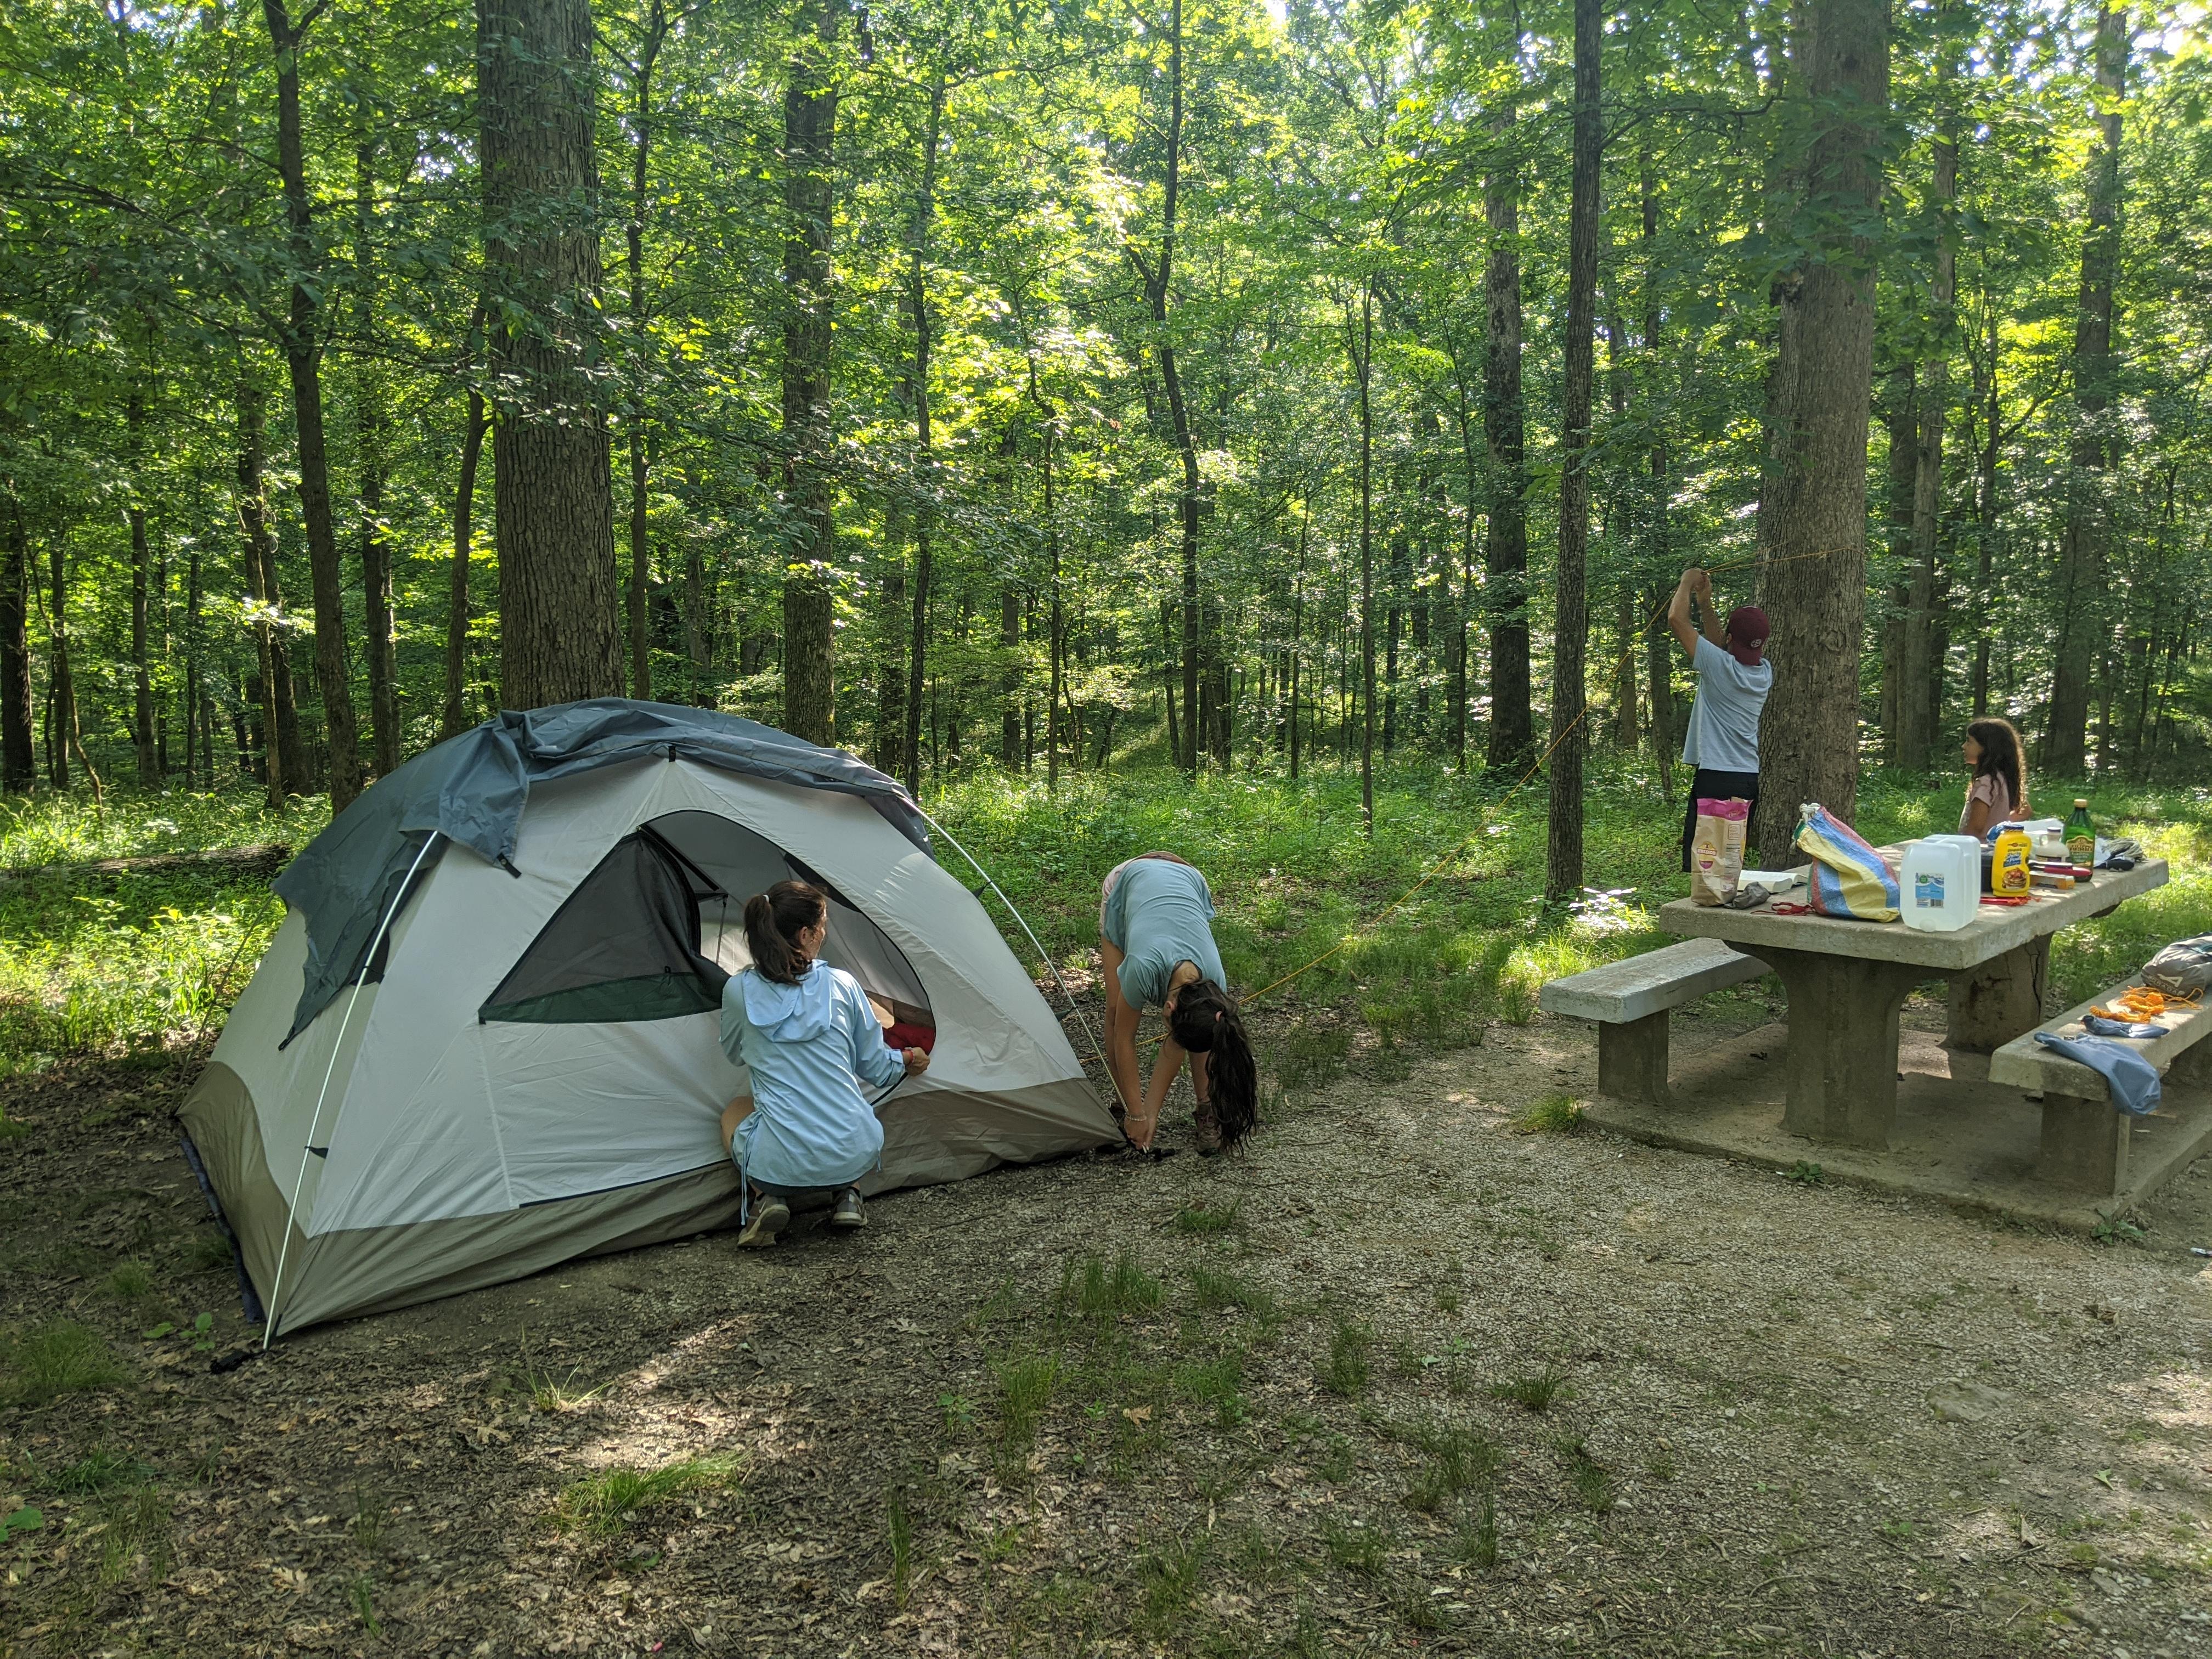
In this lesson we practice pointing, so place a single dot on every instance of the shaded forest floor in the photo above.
(1406, 1377)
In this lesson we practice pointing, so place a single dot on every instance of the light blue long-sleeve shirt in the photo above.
(809, 1047)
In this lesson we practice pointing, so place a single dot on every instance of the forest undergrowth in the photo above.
(122, 960)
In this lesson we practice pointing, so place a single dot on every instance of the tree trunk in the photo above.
(1814, 525)
(553, 500)
(2081, 546)
(1511, 726)
(925, 210)
(1985, 507)
(142, 576)
(303, 354)
(1918, 699)
(62, 712)
(1901, 417)
(256, 558)
(1563, 863)
(205, 773)
(810, 129)
(1658, 643)
(453, 719)
(19, 760)
(376, 541)
(1365, 365)
(640, 561)
(891, 644)
(1159, 280)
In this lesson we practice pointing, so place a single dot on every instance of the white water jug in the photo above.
(1941, 883)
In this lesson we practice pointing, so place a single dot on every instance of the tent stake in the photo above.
(1072, 1007)
(307, 1150)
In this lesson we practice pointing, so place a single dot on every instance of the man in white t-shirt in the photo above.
(1734, 678)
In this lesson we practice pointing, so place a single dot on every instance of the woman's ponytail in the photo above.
(1205, 1022)
(774, 921)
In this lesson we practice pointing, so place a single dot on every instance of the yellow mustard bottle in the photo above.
(2010, 876)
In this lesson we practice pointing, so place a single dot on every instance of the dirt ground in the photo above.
(1283, 1404)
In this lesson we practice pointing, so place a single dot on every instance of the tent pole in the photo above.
(307, 1150)
(1073, 1005)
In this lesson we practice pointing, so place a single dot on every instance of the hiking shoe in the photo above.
(771, 1216)
(1209, 1129)
(847, 1211)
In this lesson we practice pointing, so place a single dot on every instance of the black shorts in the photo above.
(1714, 786)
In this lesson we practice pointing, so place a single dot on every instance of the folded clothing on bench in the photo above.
(2098, 1025)
(2133, 1080)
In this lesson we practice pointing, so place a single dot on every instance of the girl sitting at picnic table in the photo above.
(805, 1032)
(1997, 790)
(1157, 948)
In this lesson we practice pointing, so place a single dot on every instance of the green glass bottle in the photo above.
(2080, 835)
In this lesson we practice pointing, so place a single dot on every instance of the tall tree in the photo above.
(1158, 275)
(917, 651)
(1813, 522)
(654, 36)
(141, 579)
(300, 334)
(1563, 862)
(2082, 553)
(1511, 726)
(18, 761)
(376, 535)
(810, 133)
(551, 460)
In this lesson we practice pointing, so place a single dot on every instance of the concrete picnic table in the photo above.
(1847, 982)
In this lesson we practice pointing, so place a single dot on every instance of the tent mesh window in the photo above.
(623, 946)
(744, 862)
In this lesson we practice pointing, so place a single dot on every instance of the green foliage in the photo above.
(1202, 1220)
(1351, 1359)
(1092, 1290)
(1552, 1115)
(603, 1503)
(58, 1358)
(1533, 1394)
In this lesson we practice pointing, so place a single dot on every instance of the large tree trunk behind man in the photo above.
(303, 358)
(375, 536)
(2082, 544)
(1813, 520)
(1563, 862)
(810, 132)
(551, 462)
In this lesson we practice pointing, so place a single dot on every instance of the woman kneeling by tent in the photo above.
(1156, 942)
(805, 1033)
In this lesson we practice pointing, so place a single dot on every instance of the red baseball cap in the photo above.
(1747, 635)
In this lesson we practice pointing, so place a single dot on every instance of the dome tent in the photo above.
(485, 1038)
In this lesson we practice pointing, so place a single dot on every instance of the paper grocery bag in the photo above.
(1716, 849)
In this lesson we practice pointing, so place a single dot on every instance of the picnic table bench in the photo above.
(2084, 1137)
(1631, 1001)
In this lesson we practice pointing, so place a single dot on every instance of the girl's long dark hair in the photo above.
(1205, 1022)
(2001, 757)
(774, 921)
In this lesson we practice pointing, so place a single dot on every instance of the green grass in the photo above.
(97, 1471)
(604, 1502)
(58, 1358)
(1026, 1386)
(1531, 1394)
(1213, 1291)
(1351, 1360)
(1090, 1289)
(135, 1535)
(1354, 1547)
(124, 965)
(133, 1281)
(1209, 1221)
(112, 963)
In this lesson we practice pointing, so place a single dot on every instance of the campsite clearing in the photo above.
(1283, 1405)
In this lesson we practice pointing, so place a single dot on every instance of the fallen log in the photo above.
(266, 859)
